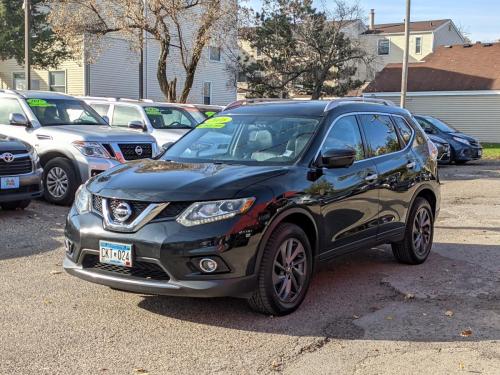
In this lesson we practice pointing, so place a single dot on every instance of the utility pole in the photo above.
(27, 43)
(404, 78)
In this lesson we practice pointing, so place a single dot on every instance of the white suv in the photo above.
(73, 141)
(166, 122)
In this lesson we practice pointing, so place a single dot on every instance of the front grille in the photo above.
(17, 166)
(129, 150)
(145, 270)
(97, 203)
(14, 152)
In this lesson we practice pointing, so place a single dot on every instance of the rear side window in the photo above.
(404, 129)
(381, 136)
(122, 115)
(345, 134)
(8, 106)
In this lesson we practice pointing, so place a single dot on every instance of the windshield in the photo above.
(169, 118)
(197, 114)
(53, 112)
(441, 125)
(245, 139)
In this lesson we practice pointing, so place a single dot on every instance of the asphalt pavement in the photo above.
(364, 314)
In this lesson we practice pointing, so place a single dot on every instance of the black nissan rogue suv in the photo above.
(249, 201)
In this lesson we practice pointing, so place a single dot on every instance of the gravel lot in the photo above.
(365, 313)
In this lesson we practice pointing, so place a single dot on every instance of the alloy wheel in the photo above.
(57, 182)
(422, 231)
(289, 270)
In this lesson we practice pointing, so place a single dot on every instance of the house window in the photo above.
(57, 81)
(207, 92)
(383, 46)
(214, 53)
(19, 81)
(242, 77)
(418, 45)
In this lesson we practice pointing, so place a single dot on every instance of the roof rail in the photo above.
(9, 91)
(336, 102)
(114, 99)
(242, 102)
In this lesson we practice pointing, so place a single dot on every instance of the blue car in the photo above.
(464, 148)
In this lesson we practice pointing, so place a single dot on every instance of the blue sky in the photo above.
(479, 18)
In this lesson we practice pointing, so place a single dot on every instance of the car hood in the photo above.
(435, 138)
(93, 133)
(12, 144)
(163, 181)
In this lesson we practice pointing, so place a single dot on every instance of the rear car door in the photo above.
(396, 167)
(349, 198)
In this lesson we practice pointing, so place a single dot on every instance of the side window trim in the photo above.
(413, 131)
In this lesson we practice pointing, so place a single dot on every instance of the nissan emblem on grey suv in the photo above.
(138, 150)
(122, 212)
(7, 157)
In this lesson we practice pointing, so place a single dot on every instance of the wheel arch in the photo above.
(427, 193)
(49, 155)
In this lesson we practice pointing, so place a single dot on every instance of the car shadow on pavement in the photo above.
(37, 229)
(367, 295)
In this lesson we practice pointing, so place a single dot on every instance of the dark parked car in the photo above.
(284, 186)
(443, 147)
(20, 174)
(464, 148)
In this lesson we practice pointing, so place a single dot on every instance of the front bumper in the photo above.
(467, 153)
(30, 187)
(89, 166)
(168, 252)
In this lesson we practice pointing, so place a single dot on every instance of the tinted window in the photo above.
(8, 106)
(122, 115)
(345, 134)
(168, 118)
(381, 135)
(245, 139)
(425, 125)
(404, 129)
(441, 125)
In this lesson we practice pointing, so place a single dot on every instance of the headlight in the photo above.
(462, 140)
(208, 212)
(82, 200)
(34, 156)
(92, 149)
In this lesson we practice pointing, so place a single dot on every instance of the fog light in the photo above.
(208, 265)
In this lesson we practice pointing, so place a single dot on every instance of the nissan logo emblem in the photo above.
(138, 150)
(7, 157)
(122, 212)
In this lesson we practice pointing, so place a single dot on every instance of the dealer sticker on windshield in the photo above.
(118, 254)
(216, 122)
(39, 103)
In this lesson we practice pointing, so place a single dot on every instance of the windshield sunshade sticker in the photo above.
(39, 103)
(152, 111)
(216, 122)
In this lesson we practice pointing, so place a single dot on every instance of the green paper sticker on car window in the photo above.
(152, 111)
(210, 113)
(39, 103)
(215, 122)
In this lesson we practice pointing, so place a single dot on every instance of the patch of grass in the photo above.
(491, 150)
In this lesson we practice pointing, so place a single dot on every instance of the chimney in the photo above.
(372, 19)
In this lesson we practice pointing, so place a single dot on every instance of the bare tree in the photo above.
(186, 25)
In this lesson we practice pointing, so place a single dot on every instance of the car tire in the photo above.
(60, 181)
(419, 233)
(281, 287)
(15, 205)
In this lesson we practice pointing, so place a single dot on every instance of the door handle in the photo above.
(371, 177)
(410, 165)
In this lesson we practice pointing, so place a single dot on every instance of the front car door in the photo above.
(7, 107)
(396, 167)
(348, 196)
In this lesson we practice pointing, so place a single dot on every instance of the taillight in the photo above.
(433, 151)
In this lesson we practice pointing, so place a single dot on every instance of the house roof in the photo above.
(418, 26)
(459, 67)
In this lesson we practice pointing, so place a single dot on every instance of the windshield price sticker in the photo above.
(39, 103)
(216, 122)
(152, 111)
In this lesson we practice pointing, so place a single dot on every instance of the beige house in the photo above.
(460, 84)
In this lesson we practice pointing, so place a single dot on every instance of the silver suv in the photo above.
(165, 121)
(72, 140)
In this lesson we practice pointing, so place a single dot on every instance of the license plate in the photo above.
(479, 152)
(9, 183)
(118, 254)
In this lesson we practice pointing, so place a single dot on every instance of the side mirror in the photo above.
(18, 119)
(105, 118)
(137, 125)
(337, 158)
